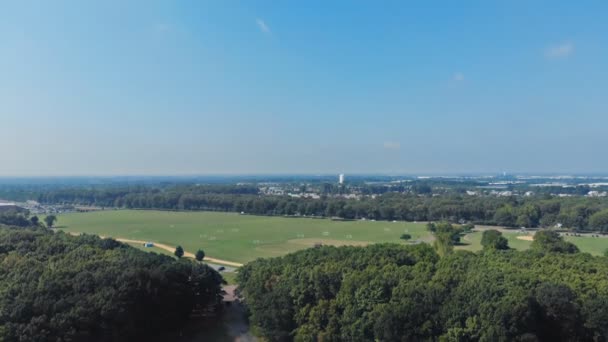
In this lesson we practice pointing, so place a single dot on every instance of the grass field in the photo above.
(242, 238)
(472, 241)
(592, 245)
(235, 237)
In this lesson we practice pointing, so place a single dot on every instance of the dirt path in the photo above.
(170, 249)
(235, 320)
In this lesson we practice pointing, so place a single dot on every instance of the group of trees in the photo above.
(411, 293)
(577, 213)
(58, 287)
(22, 218)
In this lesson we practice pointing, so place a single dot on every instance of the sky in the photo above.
(267, 87)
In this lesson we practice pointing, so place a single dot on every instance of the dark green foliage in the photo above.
(200, 255)
(57, 287)
(50, 220)
(405, 236)
(179, 252)
(34, 220)
(505, 216)
(446, 236)
(407, 293)
(599, 221)
(16, 218)
(550, 241)
(493, 239)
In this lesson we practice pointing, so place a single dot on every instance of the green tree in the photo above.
(599, 221)
(493, 239)
(200, 255)
(550, 241)
(50, 220)
(505, 216)
(405, 236)
(443, 244)
(179, 251)
(35, 220)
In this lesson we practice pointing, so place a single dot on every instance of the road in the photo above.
(209, 260)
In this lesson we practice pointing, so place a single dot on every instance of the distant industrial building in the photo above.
(6, 206)
(341, 178)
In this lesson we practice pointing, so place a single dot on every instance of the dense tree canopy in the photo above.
(493, 239)
(57, 287)
(408, 293)
(599, 221)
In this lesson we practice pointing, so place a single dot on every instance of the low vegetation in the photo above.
(234, 237)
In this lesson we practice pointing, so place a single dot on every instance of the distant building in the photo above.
(6, 206)
(596, 194)
(341, 178)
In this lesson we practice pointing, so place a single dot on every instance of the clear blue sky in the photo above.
(200, 87)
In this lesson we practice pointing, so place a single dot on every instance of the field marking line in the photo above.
(169, 249)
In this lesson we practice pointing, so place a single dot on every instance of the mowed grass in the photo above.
(593, 245)
(472, 241)
(234, 237)
(587, 244)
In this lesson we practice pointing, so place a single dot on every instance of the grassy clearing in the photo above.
(235, 237)
(472, 241)
(243, 238)
(593, 245)
(587, 244)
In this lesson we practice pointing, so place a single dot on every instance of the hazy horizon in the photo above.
(161, 88)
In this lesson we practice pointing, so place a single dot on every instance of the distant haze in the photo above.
(257, 87)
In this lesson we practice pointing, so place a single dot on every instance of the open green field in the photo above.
(242, 238)
(587, 244)
(234, 237)
(472, 241)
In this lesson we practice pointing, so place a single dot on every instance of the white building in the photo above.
(341, 178)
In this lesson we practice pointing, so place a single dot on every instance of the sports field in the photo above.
(234, 237)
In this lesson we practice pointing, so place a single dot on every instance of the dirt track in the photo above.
(171, 249)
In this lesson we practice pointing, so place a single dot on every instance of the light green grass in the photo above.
(593, 245)
(472, 241)
(234, 237)
(587, 244)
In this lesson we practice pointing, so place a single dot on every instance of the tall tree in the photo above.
(599, 221)
(200, 255)
(179, 251)
(493, 239)
(50, 220)
(550, 241)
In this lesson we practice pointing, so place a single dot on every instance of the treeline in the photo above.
(575, 213)
(17, 218)
(408, 293)
(57, 287)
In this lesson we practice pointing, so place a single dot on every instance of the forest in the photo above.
(410, 293)
(58, 287)
(575, 213)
